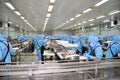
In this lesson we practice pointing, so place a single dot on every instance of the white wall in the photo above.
(31, 34)
(111, 32)
(61, 32)
(7, 15)
(105, 31)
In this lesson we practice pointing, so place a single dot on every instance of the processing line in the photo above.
(38, 71)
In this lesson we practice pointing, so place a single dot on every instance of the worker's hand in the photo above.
(118, 54)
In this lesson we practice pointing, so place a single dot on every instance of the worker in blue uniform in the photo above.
(101, 40)
(75, 40)
(34, 41)
(83, 44)
(94, 48)
(6, 50)
(113, 49)
(39, 45)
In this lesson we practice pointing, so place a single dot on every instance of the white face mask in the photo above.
(92, 45)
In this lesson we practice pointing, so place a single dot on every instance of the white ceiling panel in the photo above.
(35, 11)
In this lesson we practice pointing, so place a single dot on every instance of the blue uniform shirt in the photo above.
(4, 49)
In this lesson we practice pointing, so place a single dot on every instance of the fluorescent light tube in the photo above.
(75, 25)
(18, 13)
(48, 14)
(91, 20)
(71, 26)
(22, 17)
(72, 19)
(101, 2)
(78, 15)
(47, 18)
(52, 1)
(87, 10)
(45, 24)
(10, 22)
(59, 26)
(106, 21)
(91, 24)
(67, 21)
(100, 17)
(10, 5)
(115, 12)
(63, 23)
(84, 22)
(25, 20)
(32, 27)
(79, 23)
(50, 8)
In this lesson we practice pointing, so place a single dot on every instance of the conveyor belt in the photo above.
(57, 70)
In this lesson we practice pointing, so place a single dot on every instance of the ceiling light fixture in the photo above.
(79, 23)
(91, 24)
(45, 24)
(50, 8)
(71, 26)
(84, 22)
(101, 2)
(52, 1)
(64, 23)
(22, 17)
(115, 12)
(100, 17)
(10, 22)
(72, 19)
(67, 21)
(25, 20)
(18, 13)
(75, 24)
(59, 26)
(87, 10)
(91, 20)
(78, 15)
(48, 14)
(106, 21)
(10, 5)
(32, 27)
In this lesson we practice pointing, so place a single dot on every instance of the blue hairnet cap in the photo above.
(92, 34)
(108, 37)
(100, 37)
(2, 38)
(40, 37)
(75, 38)
(64, 35)
(93, 39)
(83, 37)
